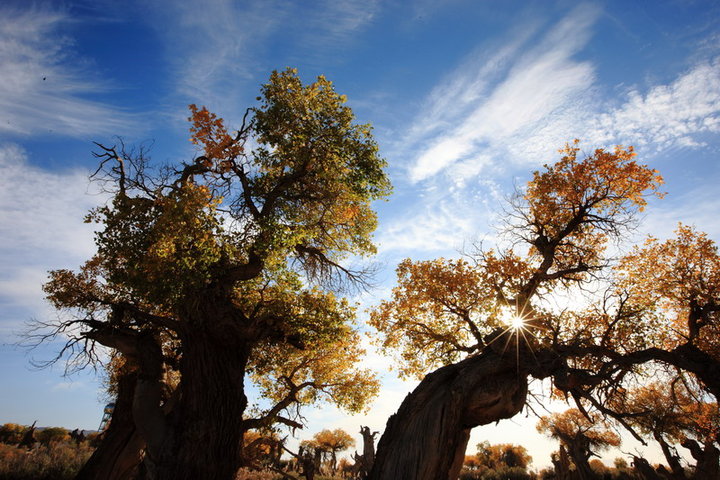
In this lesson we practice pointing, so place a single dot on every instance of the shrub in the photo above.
(12, 433)
(49, 435)
(246, 474)
(506, 473)
(57, 461)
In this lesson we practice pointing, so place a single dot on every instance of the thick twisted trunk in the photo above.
(578, 451)
(707, 459)
(676, 470)
(644, 470)
(120, 452)
(427, 437)
(561, 463)
(365, 462)
(203, 435)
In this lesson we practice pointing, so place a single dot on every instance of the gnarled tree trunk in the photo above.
(707, 459)
(644, 470)
(578, 449)
(119, 454)
(365, 462)
(202, 437)
(427, 437)
(561, 463)
(676, 470)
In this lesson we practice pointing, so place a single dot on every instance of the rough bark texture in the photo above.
(364, 462)
(707, 459)
(427, 437)
(578, 450)
(202, 438)
(644, 470)
(561, 463)
(120, 453)
(676, 470)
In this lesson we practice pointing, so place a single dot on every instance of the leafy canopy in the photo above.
(443, 310)
(237, 243)
(573, 426)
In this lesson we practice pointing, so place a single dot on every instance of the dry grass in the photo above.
(56, 461)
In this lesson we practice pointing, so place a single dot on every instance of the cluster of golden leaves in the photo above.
(437, 310)
(604, 181)
(675, 277)
(599, 190)
(620, 323)
(573, 424)
(325, 369)
(495, 456)
(333, 440)
(441, 309)
(671, 411)
(258, 447)
(76, 290)
(209, 131)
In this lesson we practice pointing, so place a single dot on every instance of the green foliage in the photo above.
(300, 200)
(161, 249)
(233, 252)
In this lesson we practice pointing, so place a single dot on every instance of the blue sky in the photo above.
(466, 97)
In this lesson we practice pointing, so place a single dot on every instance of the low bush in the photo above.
(56, 461)
(245, 474)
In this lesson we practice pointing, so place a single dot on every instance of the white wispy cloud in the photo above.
(41, 228)
(697, 207)
(216, 48)
(520, 105)
(666, 115)
(442, 221)
(335, 22)
(42, 86)
(210, 44)
(661, 117)
(528, 88)
(68, 386)
(428, 229)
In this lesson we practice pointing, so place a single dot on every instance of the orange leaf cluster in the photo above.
(681, 278)
(209, 131)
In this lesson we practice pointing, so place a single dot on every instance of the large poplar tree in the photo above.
(488, 323)
(215, 267)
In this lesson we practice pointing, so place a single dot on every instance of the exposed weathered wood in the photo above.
(427, 437)
(207, 425)
(707, 458)
(644, 470)
(119, 454)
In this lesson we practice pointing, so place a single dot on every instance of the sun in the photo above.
(516, 322)
(512, 320)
